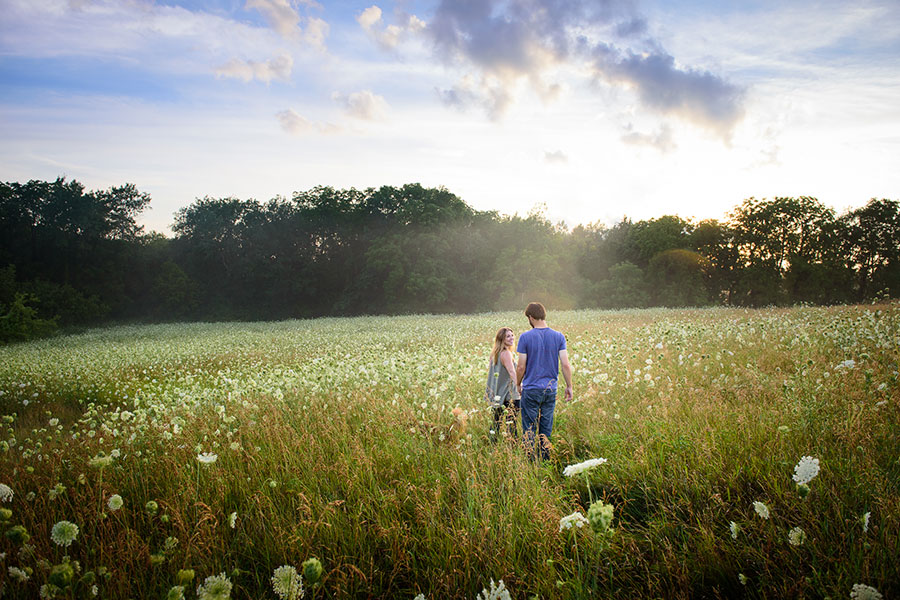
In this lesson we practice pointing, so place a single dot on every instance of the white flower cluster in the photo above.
(581, 467)
(806, 469)
(6, 493)
(576, 519)
(864, 592)
(497, 592)
(287, 583)
(64, 533)
(796, 536)
(215, 587)
(761, 509)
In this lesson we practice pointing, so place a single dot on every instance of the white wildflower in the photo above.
(207, 458)
(581, 467)
(761, 509)
(6, 493)
(497, 592)
(864, 592)
(18, 574)
(287, 583)
(232, 519)
(115, 502)
(806, 469)
(64, 533)
(796, 536)
(576, 519)
(215, 587)
(865, 521)
(735, 529)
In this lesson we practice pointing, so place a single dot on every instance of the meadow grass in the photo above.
(332, 440)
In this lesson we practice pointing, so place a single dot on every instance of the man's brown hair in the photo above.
(536, 311)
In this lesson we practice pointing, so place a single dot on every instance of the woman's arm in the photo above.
(507, 362)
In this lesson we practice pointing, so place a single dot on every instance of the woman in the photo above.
(501, 391)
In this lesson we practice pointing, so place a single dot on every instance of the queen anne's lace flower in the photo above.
(207, 458)
(497, 592)
(864, 520)
(6, 493)
(215, 587)
(796, 536)
(806, 469)
(581, 467)
(115, 502)
(864, 592)
(735, 529)
(64, 533)
(287, 583)
(18, 574)
(576, 519)
(761, 509)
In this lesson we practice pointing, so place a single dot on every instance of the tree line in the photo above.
(71, 257)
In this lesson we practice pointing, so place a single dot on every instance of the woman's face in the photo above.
(509, 338)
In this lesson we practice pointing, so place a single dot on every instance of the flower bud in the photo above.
(312, 570)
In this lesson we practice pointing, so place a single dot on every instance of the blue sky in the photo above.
(591, 110)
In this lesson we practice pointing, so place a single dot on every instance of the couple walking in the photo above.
(528, 387)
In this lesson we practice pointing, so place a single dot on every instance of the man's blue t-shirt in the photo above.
(541, 348)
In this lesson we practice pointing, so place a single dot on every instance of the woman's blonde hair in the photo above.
(499, 343)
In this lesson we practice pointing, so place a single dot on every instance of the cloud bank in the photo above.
(509, 44)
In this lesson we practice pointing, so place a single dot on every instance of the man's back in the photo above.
(541, 347)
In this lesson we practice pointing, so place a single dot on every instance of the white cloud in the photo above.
(363, 105)
(556, 157)
(662, 139)
(284, 18)
(295, 124)
(388, 36)
(275, 68)
(280, 15)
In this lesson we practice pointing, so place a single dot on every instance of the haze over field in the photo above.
(596, 109)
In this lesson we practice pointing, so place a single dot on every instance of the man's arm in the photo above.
(520, 371)
(567, 373)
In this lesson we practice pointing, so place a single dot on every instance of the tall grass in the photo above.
(333, 440)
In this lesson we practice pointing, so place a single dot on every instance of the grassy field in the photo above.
(238, 449)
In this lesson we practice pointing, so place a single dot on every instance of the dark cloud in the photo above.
(695, 95)
(508, 41)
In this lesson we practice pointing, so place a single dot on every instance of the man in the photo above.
(541, 351)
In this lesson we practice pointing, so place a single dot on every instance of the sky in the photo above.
(589, 111)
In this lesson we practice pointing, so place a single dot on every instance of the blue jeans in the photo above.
(537, 419)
